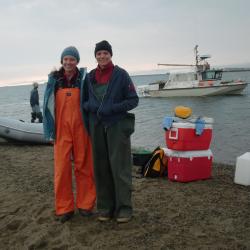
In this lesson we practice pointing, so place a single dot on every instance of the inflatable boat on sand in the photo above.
(20, 131)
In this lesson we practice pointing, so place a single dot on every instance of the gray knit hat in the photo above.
(103, 45)
(70, 51)
(35, 85)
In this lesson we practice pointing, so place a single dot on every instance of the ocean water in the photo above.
(231, 114)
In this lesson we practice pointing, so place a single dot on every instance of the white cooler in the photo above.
(242, 170)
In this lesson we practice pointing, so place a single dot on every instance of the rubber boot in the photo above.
(33, 117)
(40, 117)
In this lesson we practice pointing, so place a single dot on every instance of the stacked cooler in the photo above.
(188, 153)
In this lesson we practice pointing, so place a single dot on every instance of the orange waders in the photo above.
(72, 138)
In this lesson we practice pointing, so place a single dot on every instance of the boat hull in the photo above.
(23, 132)
(232, 89)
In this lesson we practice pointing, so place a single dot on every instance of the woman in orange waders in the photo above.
(63, 124)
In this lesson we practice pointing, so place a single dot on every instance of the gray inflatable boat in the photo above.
(20, 131)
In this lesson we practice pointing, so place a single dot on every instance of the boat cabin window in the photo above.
(212, 75)
(161, 85)
(180, 77)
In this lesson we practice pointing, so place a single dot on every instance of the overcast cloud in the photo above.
(142, 33)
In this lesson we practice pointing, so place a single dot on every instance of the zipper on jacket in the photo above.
(103, 97)
(98, 110)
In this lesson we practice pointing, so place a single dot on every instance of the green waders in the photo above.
(112, 163)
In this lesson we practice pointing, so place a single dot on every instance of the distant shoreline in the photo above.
(153, 73)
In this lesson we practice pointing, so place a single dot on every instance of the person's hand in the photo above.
(86, 106)
(51, 141)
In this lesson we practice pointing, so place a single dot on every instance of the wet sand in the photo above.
(210, 214)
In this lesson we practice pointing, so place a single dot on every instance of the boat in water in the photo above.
(202, 81)
(21, 132)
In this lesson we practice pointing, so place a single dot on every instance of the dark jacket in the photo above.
(119, 98)
(34, 98)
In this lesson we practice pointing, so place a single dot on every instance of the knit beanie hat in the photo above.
(103, 45)
(70, 51)
(35, 85)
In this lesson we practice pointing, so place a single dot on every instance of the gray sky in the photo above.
(141, 32)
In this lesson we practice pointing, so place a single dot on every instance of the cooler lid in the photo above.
(191, 122)
(187, 154)
(208, 120)
(189, 125)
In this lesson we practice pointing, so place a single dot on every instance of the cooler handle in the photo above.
(175, 136)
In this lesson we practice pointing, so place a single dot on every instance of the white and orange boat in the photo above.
(202, 81)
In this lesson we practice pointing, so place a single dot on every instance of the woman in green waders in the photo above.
(108, 97)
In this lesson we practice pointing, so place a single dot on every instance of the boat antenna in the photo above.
(197, 60)
(174, 64)
(196, 55)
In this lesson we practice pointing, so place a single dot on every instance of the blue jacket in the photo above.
(49, 104)
(119, 98)
(34, 97)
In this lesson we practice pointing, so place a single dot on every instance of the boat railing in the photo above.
(157, 82)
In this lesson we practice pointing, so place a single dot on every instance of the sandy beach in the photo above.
(210, 214)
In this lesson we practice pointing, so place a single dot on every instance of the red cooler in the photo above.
(182, 136)
(185, 166)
